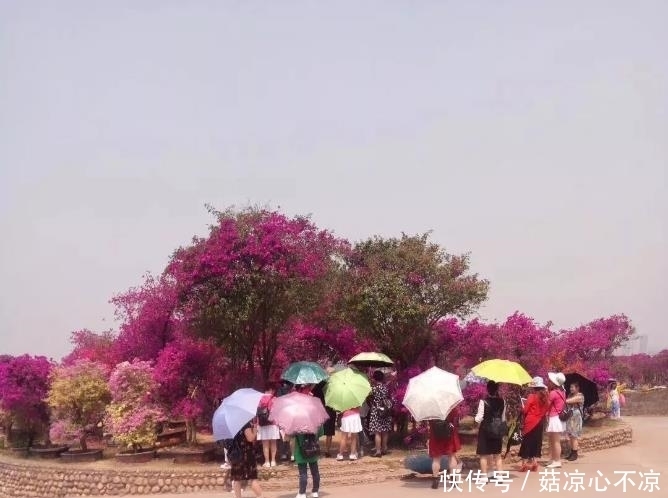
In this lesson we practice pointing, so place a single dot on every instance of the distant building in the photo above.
(637, 345)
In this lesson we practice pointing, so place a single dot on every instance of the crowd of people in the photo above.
(370, 422)
(546, 409)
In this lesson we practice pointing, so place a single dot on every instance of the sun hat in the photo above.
(537, 382)
(557, 378)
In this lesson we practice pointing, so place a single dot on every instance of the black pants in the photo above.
(303, 477)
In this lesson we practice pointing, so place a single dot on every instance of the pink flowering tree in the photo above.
(93, 347)
(133, 415)
(594, 341)
(326, 346)
(191, 378)
(24, 382)
(519, 339)
(255, 272)
(78, 397)
(148, 320)
(642, 369)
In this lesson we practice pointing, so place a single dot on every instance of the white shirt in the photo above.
(481, 411)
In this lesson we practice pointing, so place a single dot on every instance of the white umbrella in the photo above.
(432, 394)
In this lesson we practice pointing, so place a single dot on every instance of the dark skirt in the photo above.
(246, 470)
(532, 443)
(329, 427)
(488, 445)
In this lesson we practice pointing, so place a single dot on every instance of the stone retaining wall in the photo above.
(28, 481)
(33, 480)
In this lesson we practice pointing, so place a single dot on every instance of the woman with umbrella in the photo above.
(244, 468)
(380, 414)
(235, 420)
(574, 424)
(490, 409)
(444, 442)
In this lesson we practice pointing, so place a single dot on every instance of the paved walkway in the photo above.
(648, 452)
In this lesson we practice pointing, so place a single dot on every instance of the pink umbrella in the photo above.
(298, 413)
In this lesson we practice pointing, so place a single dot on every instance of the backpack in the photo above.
(263, 412)
(496, 428)
(309, 445)
(566, 411)
(442, 429)
(384, 405)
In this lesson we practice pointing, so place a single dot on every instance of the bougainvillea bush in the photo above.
(133, 416)
(192, 376)
(78, 398)
(24, 383)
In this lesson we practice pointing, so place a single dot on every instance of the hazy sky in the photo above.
(532, 134)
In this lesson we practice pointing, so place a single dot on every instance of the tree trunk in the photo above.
(191, 432)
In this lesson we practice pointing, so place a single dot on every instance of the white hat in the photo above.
(538, 383)
(557, 378)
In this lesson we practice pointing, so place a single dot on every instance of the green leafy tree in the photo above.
(399, 288)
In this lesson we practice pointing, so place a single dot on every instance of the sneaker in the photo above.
(554, 465)
(266, 465)
(314, 494)
(300, 495)
(339, 457)
(292, 458)
(353, 456)
(226, 466)
(273, 464)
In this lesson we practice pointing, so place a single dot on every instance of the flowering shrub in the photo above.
(24, 381)
(78, 397)
(133, 416)
(473, 393)
(65, 432)
(190, 377)
(135, 428)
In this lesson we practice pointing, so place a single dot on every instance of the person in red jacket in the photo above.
(534, 411)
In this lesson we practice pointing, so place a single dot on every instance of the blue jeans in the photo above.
(303, 477)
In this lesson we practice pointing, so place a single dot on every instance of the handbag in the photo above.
(566, 411)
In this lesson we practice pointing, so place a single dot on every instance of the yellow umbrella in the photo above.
(506, 371)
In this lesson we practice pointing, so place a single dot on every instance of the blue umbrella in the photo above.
(234, 412)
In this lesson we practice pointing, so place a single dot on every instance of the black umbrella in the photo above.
(587, 387)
